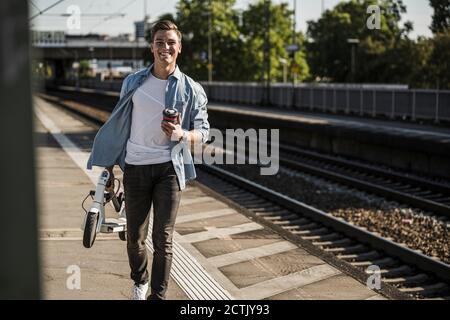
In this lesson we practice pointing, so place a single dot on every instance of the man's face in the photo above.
(165, 47)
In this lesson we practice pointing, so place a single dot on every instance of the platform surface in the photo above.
(218, 252)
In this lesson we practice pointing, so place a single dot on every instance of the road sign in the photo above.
(204, 55)
(292, 47)
(295, 68)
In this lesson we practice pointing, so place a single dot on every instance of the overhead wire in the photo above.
(39, 10)
(108, 17)
(45, 10)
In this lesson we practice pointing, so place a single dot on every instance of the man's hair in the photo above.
(164, 25)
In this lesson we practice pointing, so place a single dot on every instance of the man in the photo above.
(148, 150)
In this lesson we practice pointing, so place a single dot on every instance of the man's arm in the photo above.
(199, 115)
(194, 137)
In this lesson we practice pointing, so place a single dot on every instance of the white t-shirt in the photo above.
(147, 143)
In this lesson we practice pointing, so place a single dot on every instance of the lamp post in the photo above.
(210, 53)
(294, 41)
(353, 43)
(265, 74)
(210, 61)
(77, 68)
(91, 63)
(284, 62)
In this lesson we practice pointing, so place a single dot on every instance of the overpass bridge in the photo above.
(59, 51)
(90, 49)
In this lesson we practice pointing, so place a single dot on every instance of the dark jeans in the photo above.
(143, 186)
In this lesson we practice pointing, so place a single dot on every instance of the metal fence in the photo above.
(364, 100)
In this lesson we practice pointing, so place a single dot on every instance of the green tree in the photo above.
(329, 54)
(84, 69)
(414, 65)
(439, 61)
(441, 16)
(237, 40)
(193, 21)
(281, 34)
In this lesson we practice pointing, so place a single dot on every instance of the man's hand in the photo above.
(173, 131)
(111, 181)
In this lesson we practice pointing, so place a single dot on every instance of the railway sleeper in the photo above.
(347, 250)
(399, 271)
(307, 226)
(272, 210)
(297, 223)
(314, 232)
(416, 279)
(426, 290)
(325, 237)
(281, 217)
(336, 243)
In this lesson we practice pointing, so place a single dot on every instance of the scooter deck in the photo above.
(113, 225)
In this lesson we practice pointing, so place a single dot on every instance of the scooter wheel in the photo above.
(90, 229)
(123, 235)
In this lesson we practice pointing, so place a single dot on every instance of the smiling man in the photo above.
(147, 149)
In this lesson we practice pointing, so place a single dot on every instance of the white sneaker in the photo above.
(139, 291)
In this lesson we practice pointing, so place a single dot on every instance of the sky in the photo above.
(419, 12)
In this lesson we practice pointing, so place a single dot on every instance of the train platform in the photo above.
(218, 252)
(439, 133)
(407, 146)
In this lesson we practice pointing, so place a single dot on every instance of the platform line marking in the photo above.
(60, 230)
(205, 215)
(187, 272)
(195, 201)
(212, 270)
(75, 239)
(251, 253)
(279, 285)
(197, 280)
(221, 232)
(79, 157)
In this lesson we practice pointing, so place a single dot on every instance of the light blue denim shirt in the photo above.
(182, 93)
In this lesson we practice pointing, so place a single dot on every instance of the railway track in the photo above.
(409, 272)
(422, 193)
(418, 192)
